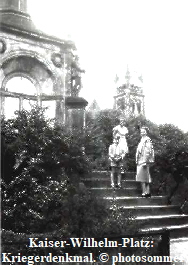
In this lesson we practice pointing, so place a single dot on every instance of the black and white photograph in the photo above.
(94, 132)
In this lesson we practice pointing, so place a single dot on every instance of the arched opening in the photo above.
(21, 94)
(20, 84)
(18, 87)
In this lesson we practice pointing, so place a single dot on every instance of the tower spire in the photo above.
(140, 78)
(127, 76)
(116, 79)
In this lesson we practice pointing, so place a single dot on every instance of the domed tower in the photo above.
(12, 10)
(36, 67)
(129, 98)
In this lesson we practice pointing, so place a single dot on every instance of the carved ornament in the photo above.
(57, 59)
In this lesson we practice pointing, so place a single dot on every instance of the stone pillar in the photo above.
(2, 105)
(115, 104)
(23, 5)
(39, 101)
(84, 119)
(141, 112)
(20, 103)
(143, 106)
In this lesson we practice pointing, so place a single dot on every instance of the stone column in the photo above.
(20, 103)
(2, 105)
(84, 119)
(15, 5)
(143, 106)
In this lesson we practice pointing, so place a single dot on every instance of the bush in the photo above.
(40, 162)
(41, 189)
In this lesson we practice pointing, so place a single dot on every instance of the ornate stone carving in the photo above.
(57, 59)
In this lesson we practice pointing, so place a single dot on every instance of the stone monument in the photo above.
(49, 64)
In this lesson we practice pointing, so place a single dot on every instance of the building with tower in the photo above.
(36, 68)
(129, 98)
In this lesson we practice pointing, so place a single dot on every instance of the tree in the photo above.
(39, 162)
(172, 160)
(98, 135)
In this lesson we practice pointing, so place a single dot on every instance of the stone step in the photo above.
(151, 222)
(106, 174)
(106, 183)
(149, 214)
(135, 201)
(148, 210)
(176, 230)
(180, 231)
(97, 173)
(106, 192)
(129, 176)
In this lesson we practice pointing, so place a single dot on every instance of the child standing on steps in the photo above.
(116, 156)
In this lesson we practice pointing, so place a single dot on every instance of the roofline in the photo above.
(131, 93)
(40, 36)
(8, 10)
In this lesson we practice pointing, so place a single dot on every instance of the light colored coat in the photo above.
(121, 132)
(144, 158)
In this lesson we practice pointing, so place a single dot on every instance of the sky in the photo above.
(148, 36)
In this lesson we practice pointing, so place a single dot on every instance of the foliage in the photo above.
(99, 137)
(40, 162)
(171, 164)
(41, 189)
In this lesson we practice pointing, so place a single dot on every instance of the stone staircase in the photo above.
(150, 214)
